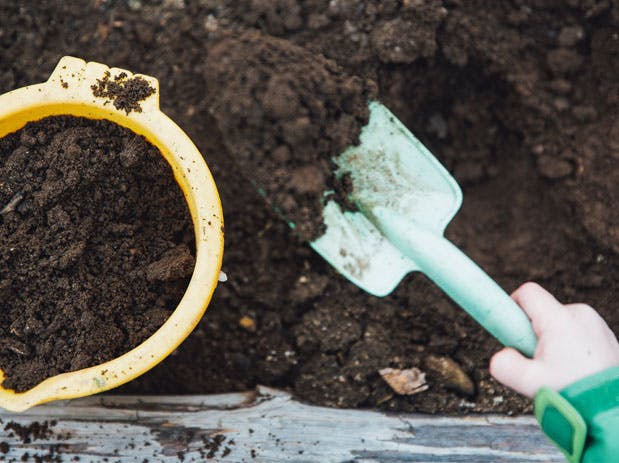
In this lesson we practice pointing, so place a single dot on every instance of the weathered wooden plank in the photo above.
(267, 426)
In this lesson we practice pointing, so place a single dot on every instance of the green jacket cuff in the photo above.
(583, 416)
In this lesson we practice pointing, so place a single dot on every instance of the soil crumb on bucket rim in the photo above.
(125, 93)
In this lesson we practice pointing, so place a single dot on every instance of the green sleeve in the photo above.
(583, 419)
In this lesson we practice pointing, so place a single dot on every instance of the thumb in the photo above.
(510, 367)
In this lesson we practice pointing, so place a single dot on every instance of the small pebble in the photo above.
(553, 167)
(570, 36)
(438, 125)
(248, 323)
(449, 374)
(134, 5)
(211, 24)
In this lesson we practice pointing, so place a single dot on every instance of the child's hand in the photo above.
(574, 342)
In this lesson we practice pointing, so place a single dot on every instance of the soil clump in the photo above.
(284, 113)
(94, 210)
(125, 93)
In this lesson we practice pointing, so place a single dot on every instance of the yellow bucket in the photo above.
(68, 92)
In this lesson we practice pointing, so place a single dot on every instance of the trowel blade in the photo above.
(391, 169)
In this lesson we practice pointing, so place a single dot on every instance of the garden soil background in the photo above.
(518, 100)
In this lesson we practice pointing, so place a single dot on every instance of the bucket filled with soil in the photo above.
(106, 265)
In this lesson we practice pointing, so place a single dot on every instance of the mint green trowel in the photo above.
(406, 198)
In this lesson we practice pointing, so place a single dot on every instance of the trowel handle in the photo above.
(462, 279)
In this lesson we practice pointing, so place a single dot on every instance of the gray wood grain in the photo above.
(268, 426)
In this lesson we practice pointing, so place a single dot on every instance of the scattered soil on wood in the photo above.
(518, 100)
(33, 431)
(94, 246)
(29, 437)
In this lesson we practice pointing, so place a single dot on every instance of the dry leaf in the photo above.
(405, 382)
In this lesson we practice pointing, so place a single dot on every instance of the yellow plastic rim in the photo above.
(68, 91)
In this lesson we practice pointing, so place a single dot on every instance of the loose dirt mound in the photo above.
(285, 112)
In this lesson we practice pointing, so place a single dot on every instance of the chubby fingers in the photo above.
(510, 367)
(540, 306)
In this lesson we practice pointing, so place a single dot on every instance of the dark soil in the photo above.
(284, 113)
(33, 431)
(517, 99)
(94, 243)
